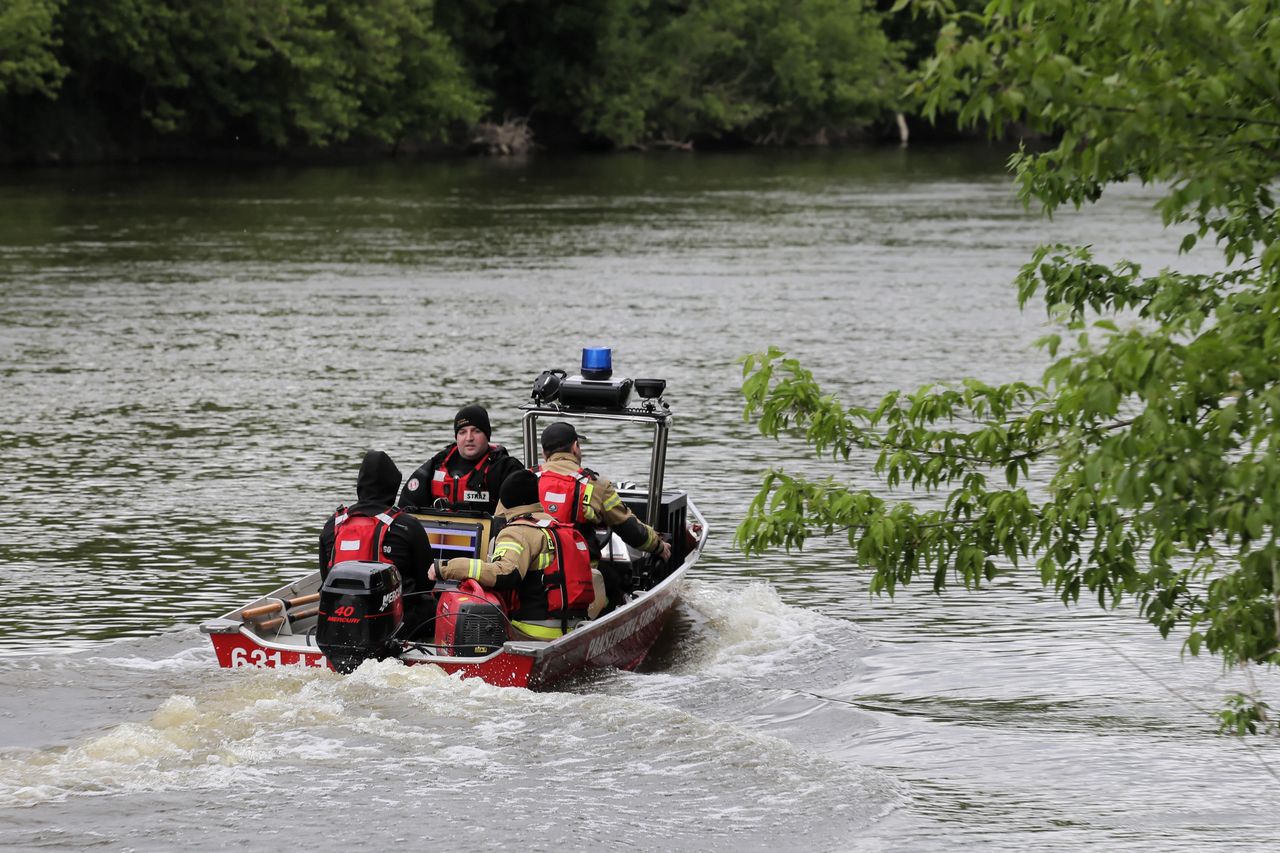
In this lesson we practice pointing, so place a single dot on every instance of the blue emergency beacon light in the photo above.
(597, 363)
(595, 388)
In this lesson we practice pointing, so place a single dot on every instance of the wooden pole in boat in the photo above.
(268, 624)
(272, 606)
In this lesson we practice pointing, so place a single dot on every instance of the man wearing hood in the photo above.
(396, 539)
(522, 551)
(465, 474)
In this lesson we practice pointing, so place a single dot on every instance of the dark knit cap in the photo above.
(519, 489)
(559, 436)
(473, 415)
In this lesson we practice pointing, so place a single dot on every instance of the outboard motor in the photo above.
(360, 610)
(470, 620)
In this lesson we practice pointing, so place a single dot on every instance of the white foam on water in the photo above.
(174, 749)
(250, 722)
(305, 732)
(330, 734)
(749, 631)
(187, 659)
(624, 745)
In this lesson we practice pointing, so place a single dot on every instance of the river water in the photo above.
(193, 363)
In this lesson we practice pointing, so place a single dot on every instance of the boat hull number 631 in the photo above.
(261, 657)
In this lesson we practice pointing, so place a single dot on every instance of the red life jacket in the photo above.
(454, 490)
(565, 497)
(360, 537)
(567, 579)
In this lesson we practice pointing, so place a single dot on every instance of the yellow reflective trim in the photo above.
(612, 501)
(548, 555)
(542, 632)
(504, 547)
(588, 511)
(473, 569)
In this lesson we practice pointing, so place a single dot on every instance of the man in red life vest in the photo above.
(467, 473)
(373, 528)
(580, 496)
(541, 567)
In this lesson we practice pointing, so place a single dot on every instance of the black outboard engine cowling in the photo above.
(360, 610)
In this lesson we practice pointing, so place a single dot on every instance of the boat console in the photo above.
(458, 533)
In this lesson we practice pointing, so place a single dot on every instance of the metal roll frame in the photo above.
(657, 460)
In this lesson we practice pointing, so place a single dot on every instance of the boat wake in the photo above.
(669, 748)
(747, 634)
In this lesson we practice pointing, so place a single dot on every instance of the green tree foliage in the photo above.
(28, 45)
(274, 72)
(283, 72)
(1159, 412)
(631, 71)
(770, 69)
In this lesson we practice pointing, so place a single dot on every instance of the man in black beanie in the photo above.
(467, 473)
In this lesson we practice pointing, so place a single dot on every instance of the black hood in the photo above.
(379, 479)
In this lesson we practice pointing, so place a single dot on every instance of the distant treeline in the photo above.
(94, 79)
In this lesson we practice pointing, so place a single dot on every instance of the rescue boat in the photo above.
(354, 615)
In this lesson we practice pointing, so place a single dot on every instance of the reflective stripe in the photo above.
(338, 519)
(473, 569)
(384, 518)
(542, 632)
(557, 497)
(349, 545)
(439, 475)
(548, 555)
(612, 501)
(504, 547)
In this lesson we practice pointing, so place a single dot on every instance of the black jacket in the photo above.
(417, 492)
(406, 541)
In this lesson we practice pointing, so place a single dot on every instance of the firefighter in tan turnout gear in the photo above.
(540, 567)
(578, 495)
(597, 500)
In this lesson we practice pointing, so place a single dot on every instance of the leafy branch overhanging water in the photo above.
(1158, 413)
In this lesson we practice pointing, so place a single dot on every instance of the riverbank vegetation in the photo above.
(1159, 415)
(139, 78)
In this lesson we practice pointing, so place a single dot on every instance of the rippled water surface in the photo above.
(193, 362)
